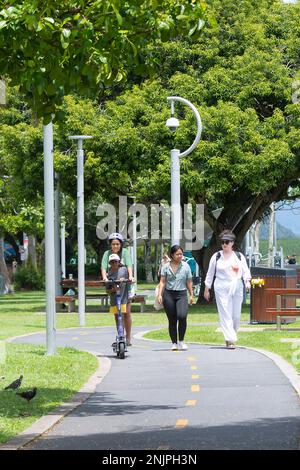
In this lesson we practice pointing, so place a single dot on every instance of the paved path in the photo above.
(204, 398)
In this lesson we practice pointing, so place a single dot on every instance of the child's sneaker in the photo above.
(182, 346)
(174, 347)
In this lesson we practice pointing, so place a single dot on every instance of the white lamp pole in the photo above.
(173, 123)
(58, 288)
(80, 226)
(135, 249)
(49, 240)
(63, 249)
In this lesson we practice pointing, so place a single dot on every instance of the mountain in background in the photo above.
(289, 216)
(281, 232)
(287, 221)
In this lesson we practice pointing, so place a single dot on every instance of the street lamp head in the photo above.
(172, 123)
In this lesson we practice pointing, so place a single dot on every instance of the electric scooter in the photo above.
(119, 346)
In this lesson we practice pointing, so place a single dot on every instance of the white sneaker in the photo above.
(174, 347)
(182, 346)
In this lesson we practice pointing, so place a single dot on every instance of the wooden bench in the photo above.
(280, 310)
(66, 299)
(140, 299)
(104, 298)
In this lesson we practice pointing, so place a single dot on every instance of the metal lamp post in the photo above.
(134, 241)
(134, 246)
(172, 124)
(80, 225)
(49, 240)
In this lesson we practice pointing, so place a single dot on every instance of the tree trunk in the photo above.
(148, 261)
(40, 254)
(3, 269)
(32, 257)
(203, 257)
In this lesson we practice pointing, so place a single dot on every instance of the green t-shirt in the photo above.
(125, 259)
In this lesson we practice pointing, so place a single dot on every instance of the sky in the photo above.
(289, 216)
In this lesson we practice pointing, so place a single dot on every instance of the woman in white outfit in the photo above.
(229, 269)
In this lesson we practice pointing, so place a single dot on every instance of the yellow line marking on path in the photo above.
(163, 447)
(75, 337)
(181, 423)
(195, 388)
(91, 342)
(191, 358)
(191, 403)
(84, 333)
(195, 376)
(194, 367)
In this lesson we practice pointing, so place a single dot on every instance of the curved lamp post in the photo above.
(172, 123)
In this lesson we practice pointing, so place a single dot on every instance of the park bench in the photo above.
(103, 297)
(140, 299)
(68, 300)
(282, 310)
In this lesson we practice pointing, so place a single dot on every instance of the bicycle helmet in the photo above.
(116, 236)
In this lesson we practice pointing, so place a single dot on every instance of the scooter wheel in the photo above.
(122, 350)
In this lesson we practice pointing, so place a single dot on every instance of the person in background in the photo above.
(165, 259)
(116, 241)
(14, 266)
(292, 259)
(227, 270)
(175, 281)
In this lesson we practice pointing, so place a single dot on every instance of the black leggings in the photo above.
(176, 306)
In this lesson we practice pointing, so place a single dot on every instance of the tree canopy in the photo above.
(241, 74)
(53, 48)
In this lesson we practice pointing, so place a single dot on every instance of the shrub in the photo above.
(27, 277)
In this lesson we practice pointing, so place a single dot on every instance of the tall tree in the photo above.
(52, 48)
(242, 76)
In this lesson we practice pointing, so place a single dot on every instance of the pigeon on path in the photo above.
(29, 394)
(15, 384)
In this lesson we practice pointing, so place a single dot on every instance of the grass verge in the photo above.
(57, 378)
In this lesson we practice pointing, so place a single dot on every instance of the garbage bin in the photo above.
(273, 277)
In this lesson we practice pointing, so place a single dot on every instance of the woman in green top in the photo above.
(116, 241)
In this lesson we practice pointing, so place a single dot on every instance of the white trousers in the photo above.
(229, 308)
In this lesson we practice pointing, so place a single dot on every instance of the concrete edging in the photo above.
(45, 423)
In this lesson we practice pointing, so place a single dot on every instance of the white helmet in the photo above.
(116, 236)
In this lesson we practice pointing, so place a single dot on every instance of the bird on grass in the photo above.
(15, 384)
(28, 394)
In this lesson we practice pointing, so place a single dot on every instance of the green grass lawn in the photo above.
(57, 378)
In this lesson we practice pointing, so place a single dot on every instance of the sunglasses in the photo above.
(225, 242)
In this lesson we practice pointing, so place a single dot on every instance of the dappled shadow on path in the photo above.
(105, 404)
(263, 434)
